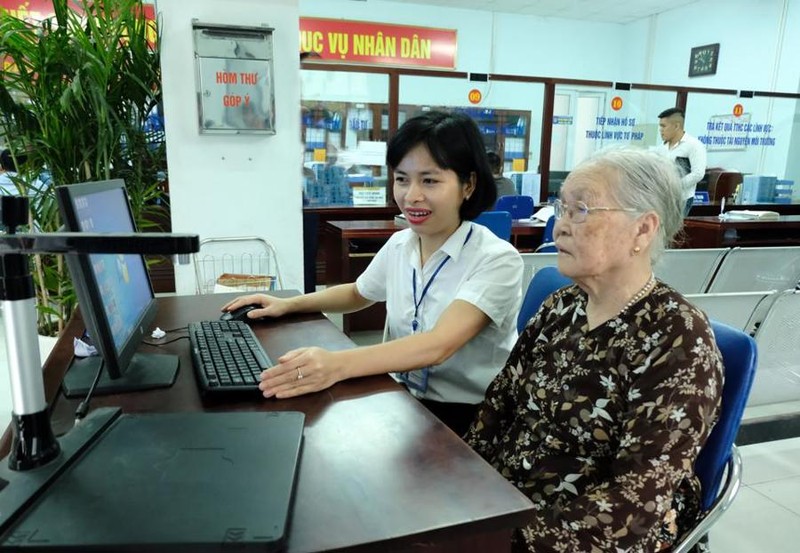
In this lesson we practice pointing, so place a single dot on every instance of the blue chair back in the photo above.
(548, 242)
(545, 281)
(499, 222)
(739, 357)
(520, 207)
(547, 236)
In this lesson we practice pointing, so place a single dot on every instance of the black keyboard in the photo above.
(227, 356)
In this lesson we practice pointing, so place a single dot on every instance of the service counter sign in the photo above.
(378, 43)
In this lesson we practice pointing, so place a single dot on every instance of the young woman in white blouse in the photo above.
(451, 287)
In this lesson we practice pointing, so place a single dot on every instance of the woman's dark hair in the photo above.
(455, 143)
(7, 162)
(495, 163)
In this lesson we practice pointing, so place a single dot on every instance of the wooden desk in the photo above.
(351, 245)
(713, 232)
(315, 218)
(707, 210)
(378, 472)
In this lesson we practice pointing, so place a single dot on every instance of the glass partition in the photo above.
(587, 119)
(508, 115)
(344, 151)
(752, 138)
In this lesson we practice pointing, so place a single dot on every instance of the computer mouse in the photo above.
(240, 314)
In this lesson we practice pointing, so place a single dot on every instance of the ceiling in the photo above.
(610, 11)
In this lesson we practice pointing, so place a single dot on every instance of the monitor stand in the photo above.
(21, 489)
(146, 371)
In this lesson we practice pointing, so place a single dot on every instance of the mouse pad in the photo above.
(175, 481)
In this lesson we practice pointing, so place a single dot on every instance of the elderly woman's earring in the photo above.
(636, 250)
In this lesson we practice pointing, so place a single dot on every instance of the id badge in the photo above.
(415, 380)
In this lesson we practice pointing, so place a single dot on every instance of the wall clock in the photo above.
(703, 60)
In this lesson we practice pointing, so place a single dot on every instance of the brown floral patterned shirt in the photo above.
(601, 427)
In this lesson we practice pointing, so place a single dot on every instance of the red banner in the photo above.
(34, 10)
(37, 10)
(378, 43)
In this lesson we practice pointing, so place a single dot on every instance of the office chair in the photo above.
(548, 242)
(520, 207)
(724, 186)
(545, 281)
(719, 455)
(499, 222)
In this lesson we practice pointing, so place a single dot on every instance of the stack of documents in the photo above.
(750, 215)
(543, 214)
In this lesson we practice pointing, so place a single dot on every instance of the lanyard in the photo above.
(415, 322)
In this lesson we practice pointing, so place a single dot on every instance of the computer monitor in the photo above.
(115, 297)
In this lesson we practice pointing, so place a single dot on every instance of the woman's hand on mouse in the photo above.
(300, 371)
(270, 305)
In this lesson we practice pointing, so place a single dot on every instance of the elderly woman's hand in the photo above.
(300, 371)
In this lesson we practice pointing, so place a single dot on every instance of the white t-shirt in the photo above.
(692, 149)
(7, 185)
(483, 270)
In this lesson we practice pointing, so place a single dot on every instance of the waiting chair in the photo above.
(779, 361)
(719, 457)
(754, 269)
(236, 263)
(499, 222)
(545, 281)
(742, 310)
(520, 207)
(548, 241)
(689, 271)
(532, 262)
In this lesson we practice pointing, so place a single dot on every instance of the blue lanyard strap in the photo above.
(415, 323)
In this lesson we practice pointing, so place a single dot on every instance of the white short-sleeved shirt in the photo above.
(691, 148)
(483, 270)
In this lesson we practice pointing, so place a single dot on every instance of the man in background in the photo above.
(505, 187)
(8, 169)
(688, 152)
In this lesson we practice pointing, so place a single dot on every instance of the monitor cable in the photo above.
(83, 406)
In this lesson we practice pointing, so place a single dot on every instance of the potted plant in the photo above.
(77, 94)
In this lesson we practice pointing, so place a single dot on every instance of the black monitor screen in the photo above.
(121, 278)
(114, 295)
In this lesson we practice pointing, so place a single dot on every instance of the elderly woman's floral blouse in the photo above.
(601, 427)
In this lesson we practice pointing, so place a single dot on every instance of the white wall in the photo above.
(758, 45)
(759, 42)
(233, 185)
(237, 185)
(499, 42)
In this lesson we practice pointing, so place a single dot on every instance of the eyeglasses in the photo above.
(577, 212)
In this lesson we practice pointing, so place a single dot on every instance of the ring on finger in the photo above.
(299, 374)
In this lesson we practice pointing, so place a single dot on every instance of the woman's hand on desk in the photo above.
(300, 371)
(270, 305)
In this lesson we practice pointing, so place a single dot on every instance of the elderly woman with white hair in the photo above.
(614, 386)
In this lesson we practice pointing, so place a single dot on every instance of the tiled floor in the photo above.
(764, 517)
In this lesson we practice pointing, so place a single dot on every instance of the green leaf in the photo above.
(75, 103)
